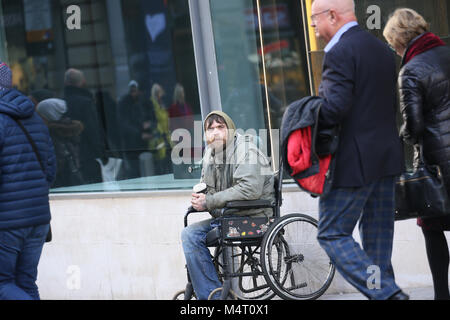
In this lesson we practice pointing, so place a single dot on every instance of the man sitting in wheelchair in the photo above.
(233, 169)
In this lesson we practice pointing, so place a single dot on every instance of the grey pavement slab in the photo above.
(414, 294)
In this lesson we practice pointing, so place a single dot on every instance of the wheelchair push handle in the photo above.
(198, 188)
(188, 212)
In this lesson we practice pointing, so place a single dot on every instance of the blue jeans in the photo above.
(373, 206)
(20, 251)
(198, 258)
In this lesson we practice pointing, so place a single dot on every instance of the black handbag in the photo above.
(421, 193)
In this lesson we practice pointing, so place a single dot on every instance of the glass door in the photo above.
(262, 63)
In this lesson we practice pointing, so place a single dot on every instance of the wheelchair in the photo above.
(259, 258)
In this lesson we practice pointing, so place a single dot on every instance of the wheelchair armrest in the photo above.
(236, 206)
(249, 204)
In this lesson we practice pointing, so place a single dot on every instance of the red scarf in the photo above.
(426, 42)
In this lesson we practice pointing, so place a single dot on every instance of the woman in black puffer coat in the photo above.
(424, 84)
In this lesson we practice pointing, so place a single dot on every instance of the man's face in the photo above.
(320, 21)
(216, 135)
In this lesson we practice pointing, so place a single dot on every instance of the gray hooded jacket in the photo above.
(240, 172)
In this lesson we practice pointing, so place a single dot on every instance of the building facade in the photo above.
(151, 71)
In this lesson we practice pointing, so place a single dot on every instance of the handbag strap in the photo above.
(33, 145)
(421, 157)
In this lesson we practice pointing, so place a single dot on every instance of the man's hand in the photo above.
(198, 201)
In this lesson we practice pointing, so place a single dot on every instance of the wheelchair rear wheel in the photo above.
(294, 264)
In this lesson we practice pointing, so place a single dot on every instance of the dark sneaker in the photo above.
(399, 296)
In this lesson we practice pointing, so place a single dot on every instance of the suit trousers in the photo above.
(367, 268)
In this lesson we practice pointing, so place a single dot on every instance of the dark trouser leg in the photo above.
(438, 259)
(377, 226)
(339, 213)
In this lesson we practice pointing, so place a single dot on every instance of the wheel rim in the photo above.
(254, 286)
(245, 260)
(180, 295)
(295, 265)
(231, 294)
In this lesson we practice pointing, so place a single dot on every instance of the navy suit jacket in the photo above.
(359, 87)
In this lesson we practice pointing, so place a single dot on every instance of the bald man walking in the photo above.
(358, 86)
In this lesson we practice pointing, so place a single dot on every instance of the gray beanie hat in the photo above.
(133, 83)
(52, 109)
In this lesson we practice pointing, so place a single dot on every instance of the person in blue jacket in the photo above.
(24, 189)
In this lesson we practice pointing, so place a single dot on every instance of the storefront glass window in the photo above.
(236, 42)
(126, 75)
(372, 16)
(261, 61)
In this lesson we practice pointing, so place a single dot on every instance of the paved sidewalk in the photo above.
(414, 294)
